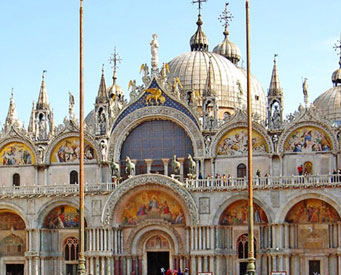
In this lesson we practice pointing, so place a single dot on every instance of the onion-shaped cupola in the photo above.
(227, 48)
(199, 41)
(336, 76)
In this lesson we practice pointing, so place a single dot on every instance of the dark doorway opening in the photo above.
(156, 260)
(71, 269)
(314, 267)
(242, 268)
(14, 269)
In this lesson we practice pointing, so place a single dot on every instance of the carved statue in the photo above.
(276, 118)
(154, 46)
(175, 165)
(130, 167)
(115, 170)
(71, 105)
(144, 68)
(133, 94)
(104, 150)
(176, 85)
(192, 166)
(156, 95)
(164, 70)
(305, 90)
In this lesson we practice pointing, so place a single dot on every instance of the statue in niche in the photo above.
(104, 150)
(102, 121)
(276, 117)
(42, 127)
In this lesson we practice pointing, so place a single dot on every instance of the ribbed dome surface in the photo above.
(336, 77)
(329, 104)
(229, 81)
(228, 49)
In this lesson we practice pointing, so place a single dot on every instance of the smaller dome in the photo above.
(199, 41)
(115, 89)
(336, 76)
(228, 49)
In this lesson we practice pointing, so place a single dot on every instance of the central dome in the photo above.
(228, 81)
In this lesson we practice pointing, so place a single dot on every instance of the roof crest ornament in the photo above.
(226, 17)
(199, 2)
(115, 59)
(337, 48)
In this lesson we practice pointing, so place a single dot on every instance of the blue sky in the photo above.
(42, 35)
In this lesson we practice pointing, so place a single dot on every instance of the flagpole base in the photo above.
(251, 267)
(81, 267)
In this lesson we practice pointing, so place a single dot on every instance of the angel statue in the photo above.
(176, 85)
(133, 94)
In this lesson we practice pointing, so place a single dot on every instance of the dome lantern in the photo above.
(199, 41)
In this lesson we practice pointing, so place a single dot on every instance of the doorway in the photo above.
(14, 269)
(242, 268)
(314, 267)
(156, 260)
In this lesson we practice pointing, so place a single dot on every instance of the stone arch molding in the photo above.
(127, 124)
(288, 131)
(50, 205)
(141, 180)
(328, 198)
(230, 127)
(20, 140)
(5, 205)
(54, 143)
(241, 196)
(145, 230)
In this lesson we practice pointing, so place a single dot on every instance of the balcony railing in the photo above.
(194, 185)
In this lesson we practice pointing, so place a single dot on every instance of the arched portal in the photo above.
(12, 243)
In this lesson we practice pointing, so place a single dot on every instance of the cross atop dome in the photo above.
(226, 16)
(199, 2)
(115, 59)
(337, 48)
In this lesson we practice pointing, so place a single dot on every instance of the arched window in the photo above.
(71, 249)
(16, 179)
(243, 246)
(241, 170)
(74, 177)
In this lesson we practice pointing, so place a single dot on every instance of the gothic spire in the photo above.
(31, 125)
(43, 102)
(275, 87)
(12, 118)
(102, 95)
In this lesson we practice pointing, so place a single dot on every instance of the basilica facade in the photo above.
(165, 175)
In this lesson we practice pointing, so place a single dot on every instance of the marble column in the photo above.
(165, 166)
(149, 165)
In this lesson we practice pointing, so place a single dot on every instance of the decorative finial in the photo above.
(115, 59)
(226, 16)
(199, 2)
(43, 76)
(102, 68)
(337, 48)
(275, 55)
(12, 93)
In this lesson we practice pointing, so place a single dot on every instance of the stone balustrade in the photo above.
(195, 185)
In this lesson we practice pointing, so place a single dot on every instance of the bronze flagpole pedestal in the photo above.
(251, 268)
(81, 259)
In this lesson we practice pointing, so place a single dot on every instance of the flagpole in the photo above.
(81, 259)
(251, 270)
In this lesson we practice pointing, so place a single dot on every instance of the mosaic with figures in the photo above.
(62, 217)
(9, 221)
(16, 153)
(236, 214)
(312, 210)
(234, 143)
(308, 139)
(152, 205)
(68, 150)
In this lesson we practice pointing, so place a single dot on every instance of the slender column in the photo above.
(165, 166)
(192, 238)
(91, 265)
(208, 237)
(205, 264)
(199, 263)
(213, 168)
(212, 264)
(140, 265)
(100, 239)
(193, 265)
(115, 240)
(149, 165)
(200, 238)
(213, 229)
(110, 240)
(108, 269)
(202, 167)
(188, 238)
(181, 160)
(102, 266)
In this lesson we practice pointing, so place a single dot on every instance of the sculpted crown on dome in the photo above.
(228, 80)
